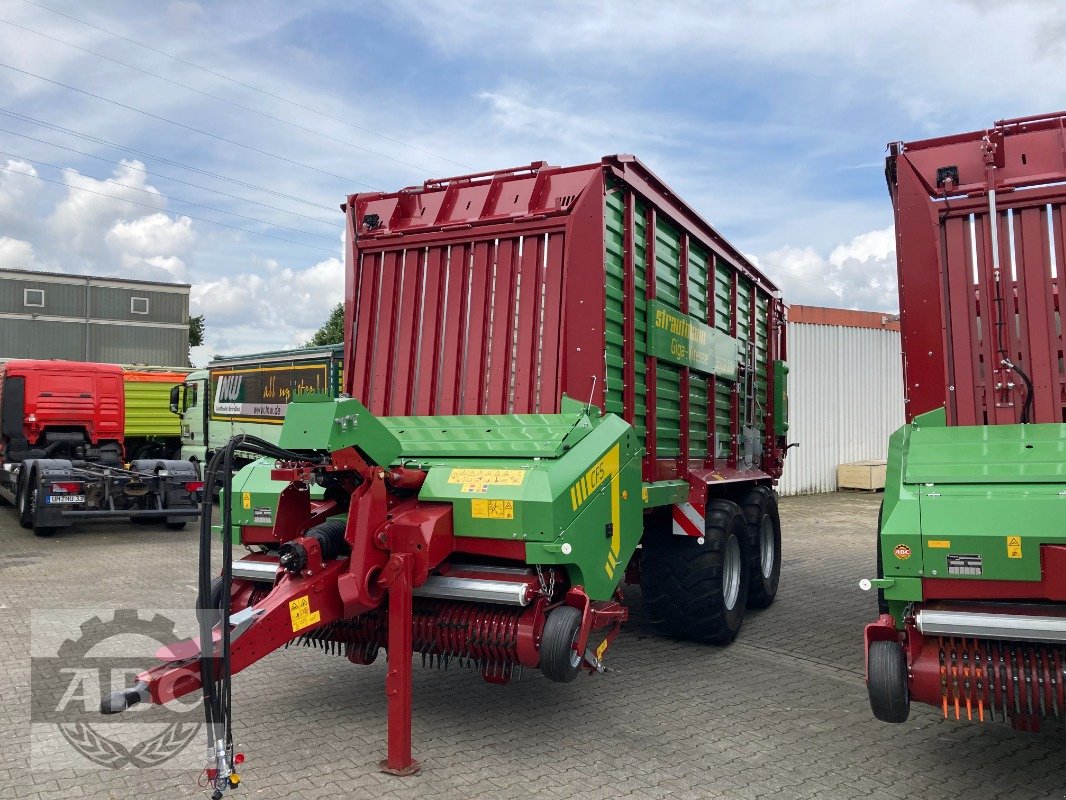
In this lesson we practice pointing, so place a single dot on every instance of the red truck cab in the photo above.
(61, 409)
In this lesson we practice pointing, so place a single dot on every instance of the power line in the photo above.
(154, 208)
(167, 177)
(246, 85)
(128, 149)
(229, 103)
(234, 142)
(175, 199)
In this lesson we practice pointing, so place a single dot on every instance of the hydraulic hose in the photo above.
(1027, 406)
(217, 688)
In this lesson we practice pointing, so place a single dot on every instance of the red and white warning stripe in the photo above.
(689, 520)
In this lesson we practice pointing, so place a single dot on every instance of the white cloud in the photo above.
(93, 206)
(16, 254)
(18, 194)
(900, 44)
(860, 273)
(275, 308)
(151, 235)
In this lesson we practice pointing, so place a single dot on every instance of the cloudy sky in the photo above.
(211, 143)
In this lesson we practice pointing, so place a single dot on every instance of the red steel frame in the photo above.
(394, 545)
(485, 293)
(948, 311)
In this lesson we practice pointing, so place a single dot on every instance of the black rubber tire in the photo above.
(176, 526)
(31, 505)
(25, 517)
(882, 603)
(682, 580)
(557, 656)
(760, 508)
(111, 454)
(214, 605)
(886, 681)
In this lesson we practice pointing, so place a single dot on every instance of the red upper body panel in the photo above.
(977, 297)
(488, 294)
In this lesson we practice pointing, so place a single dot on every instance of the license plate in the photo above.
(65, 498)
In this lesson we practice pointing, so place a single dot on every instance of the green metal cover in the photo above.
(567, 485)
(991, 496)
(987, 454)
(317, 422)
(504, 435)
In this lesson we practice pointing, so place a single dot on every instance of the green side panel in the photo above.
(744, 296)
(614, 331)
(316, 422)
(993, 494)
(722, 316)
(667, 261)
(970, 503)
(614, 263)
(699, 262)
(780, 398)
(640, 268)
(901, 530)
(667, 409)
(722, 302)
(582, 509)
(697, 415)
(148, 409)
(762, 348)
(667, 374)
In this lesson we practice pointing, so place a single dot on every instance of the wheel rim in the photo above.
(731, 572)
(575, 658)
(33, 504)
(767, 546)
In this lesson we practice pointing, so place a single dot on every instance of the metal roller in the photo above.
(259, 571)
(983, 625)
(443, 587)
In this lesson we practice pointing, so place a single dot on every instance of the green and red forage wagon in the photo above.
(557, 379)
(972, 537)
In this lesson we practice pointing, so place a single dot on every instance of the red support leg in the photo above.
(398, 574)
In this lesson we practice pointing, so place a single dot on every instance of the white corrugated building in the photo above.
(845, 387)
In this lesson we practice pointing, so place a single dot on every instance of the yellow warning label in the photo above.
(606, 467)
(602, 648)
(487, 477)
(941, 543)
(246, 500)
(492, 509)
(301, 615)
(1014, 547)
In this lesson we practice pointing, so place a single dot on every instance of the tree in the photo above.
(196, 333)
(196, 330)
(333, 331)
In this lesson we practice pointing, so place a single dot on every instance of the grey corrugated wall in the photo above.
(845, 390)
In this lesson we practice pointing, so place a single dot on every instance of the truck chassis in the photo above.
(49, 493)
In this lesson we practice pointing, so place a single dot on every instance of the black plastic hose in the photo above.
(217, 688)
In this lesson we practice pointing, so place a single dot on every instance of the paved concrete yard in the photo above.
(781, 713)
